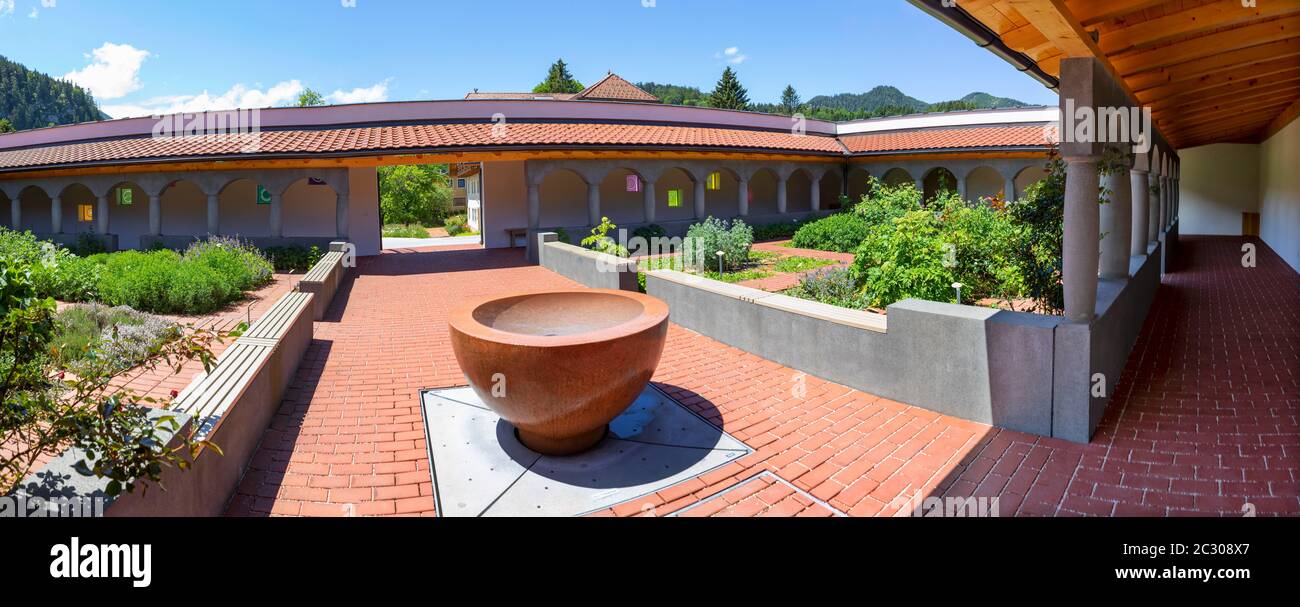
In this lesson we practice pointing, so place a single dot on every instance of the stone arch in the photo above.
(308, 206)
(859, 182)
(985, 181)
(675, 178)
(72, 197)
(898, 176)
(724, 202)
(1028, 176)
(936, 180)
(763, 184)
(562, 192)
(616, 202)
(184, 207)
(242, 214)
(798, 187)
(33, 201)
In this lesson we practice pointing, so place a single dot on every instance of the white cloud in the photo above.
(370, 94)
(114, 71)
(35, 14)
(732, 55)
(6, 8)
(237, 97)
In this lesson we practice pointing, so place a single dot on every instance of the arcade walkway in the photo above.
(1204, 422)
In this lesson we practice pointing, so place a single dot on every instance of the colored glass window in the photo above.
(124, 197)
(85, 212)
(633, 183)
(714, 182)
(674, 198)
(263, 195)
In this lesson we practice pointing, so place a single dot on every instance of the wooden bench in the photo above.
(233, 404)
(324, 278)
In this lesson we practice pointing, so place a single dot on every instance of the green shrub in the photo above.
(904, 259)
(456, 224)
(197, 289)
(600, 241)
(87, 245)
(241, 266)
(139, 279)
(980, 238)
(835, 286)
(777, 231)
(121, 334)
(705, 239)
(653, 230)
(293, 258)
(841, 232)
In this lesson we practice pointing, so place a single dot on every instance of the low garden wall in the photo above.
(979, 364)
(231, 406)
(324, 278)
(592, 269)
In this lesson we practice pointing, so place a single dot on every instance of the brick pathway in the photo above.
(1204, 420)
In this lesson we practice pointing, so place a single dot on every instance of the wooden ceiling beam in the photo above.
(1054, 20)
(1255, 70)
(1276, 105)
(1190, 22)
(1254, 120)
(1240, 58)
(1262, 114)
(1191, 111)
(1092, 12)
(1128, 64)
(1236, 88)
(1237, 94)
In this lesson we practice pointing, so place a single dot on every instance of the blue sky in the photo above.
(152, 56)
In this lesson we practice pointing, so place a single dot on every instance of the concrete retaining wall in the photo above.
(275, 346)
(324, 278)
(592, 269)
(980, 364)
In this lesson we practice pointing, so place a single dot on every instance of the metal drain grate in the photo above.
(479, 468)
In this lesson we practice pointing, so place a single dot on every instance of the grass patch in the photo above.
(405, 230)
(792, 265)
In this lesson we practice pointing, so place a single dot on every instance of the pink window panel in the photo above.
(633, 183)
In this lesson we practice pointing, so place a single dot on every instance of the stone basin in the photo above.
(559, 365)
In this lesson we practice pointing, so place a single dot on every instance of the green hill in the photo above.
(31, 99)
(870, 101)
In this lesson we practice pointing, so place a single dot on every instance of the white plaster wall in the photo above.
(184, 210)
(1279, 193)
(309, 210)
(505, 201)
(240, 215)
(724, 202)
(798, 193)
(1027, 177)
(858, 181)
(364, 229)
(1217, 184)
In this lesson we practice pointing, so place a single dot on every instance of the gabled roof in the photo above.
(615, 88)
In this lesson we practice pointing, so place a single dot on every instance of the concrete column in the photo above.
(155, 214)
(649, 202)
(534, 206)
(1153, 210)
(781, 195)
(1010, 189)
(815, 195)
(700, 192)
(16, 212)
(1164, 203)
(214, 214)
(1141, 198)
(1178, 197)
(593, 204)
(742, 192)
(341, 216)
(277, 217)
(56, 214)
(101, 215)
(961, 187)
(920, 186)
(1117, 225)
(1081, 246)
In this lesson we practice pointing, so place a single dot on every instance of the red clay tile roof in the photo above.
(615, 88)
(946, 138)
(420, 137)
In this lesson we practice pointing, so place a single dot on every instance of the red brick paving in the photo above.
(781, 282)
(1204, 420)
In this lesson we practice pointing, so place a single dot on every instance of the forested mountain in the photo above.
(31, 99)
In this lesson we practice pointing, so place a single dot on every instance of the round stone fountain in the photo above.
(560, 365)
